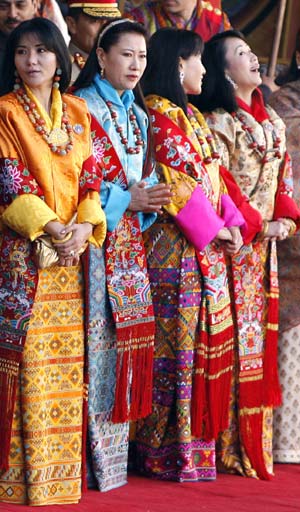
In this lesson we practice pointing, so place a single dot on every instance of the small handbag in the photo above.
(44, 253)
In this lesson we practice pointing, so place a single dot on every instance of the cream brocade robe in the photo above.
(259, 182)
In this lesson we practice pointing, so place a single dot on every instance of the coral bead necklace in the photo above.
(139, 143)
(252, 142)
(60, 139)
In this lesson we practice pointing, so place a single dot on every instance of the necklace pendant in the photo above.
(57, 137)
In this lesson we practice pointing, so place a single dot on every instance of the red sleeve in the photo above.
(252, 217)
(285, 205)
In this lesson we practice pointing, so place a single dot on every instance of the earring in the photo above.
(56, 78)
(181, 76)
(102, 73)
(298, 66)
(231, 81)
(17, 83)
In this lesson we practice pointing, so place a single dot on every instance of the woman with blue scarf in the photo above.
(120, 320)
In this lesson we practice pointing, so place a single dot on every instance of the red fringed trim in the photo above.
(251, 428)
(9, 370)
(271, 386)
(134, 373)
(212, 383)
(219, 385)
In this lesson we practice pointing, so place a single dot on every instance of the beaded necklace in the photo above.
(60, 140)
(139, 143)
(204, 137)
(252, 142)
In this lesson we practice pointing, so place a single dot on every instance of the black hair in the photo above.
(74, 12)
(110, 38)
(49, 35)
(293, 72)
(166, 47)
(217, 91)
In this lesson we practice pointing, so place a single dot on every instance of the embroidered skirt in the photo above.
(46, 446)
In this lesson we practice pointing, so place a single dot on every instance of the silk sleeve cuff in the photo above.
(30, 225)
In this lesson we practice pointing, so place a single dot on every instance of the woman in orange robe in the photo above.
(47, 175)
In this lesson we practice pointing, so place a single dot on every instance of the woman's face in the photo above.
(193, 71)
(125, 61)
(242, 64)
(35, 64)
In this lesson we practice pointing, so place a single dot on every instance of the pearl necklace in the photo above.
(60, 140)
(136, 131)
(253, 144)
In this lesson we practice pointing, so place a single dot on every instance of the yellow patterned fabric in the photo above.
(45, 459)
(45, 456)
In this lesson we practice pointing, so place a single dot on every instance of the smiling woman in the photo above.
(251, 140)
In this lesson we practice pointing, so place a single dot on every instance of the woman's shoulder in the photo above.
(275, 116)
(94, 101)
(74, 101)
(8, 103)
(77, 111)
(166, 108)
(219, 119)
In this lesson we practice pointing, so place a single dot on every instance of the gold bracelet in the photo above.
(61, 241)
(293, 227)
(262, 234)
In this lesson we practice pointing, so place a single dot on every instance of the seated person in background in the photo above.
(205, 18)
(84, 20)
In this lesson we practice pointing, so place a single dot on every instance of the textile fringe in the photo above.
(251, 428)
(271, 386)
(211, 385)
(9, 370)
(134, 373)
(265, 391)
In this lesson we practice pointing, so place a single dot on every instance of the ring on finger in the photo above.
(72, 253)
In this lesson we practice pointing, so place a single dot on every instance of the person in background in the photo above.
(84, 20)
(204, 18)
(48, 175)
(286, 444)
(251, 141)
(121, 328)
(51, 10)
(193, 350)
(12, 13)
